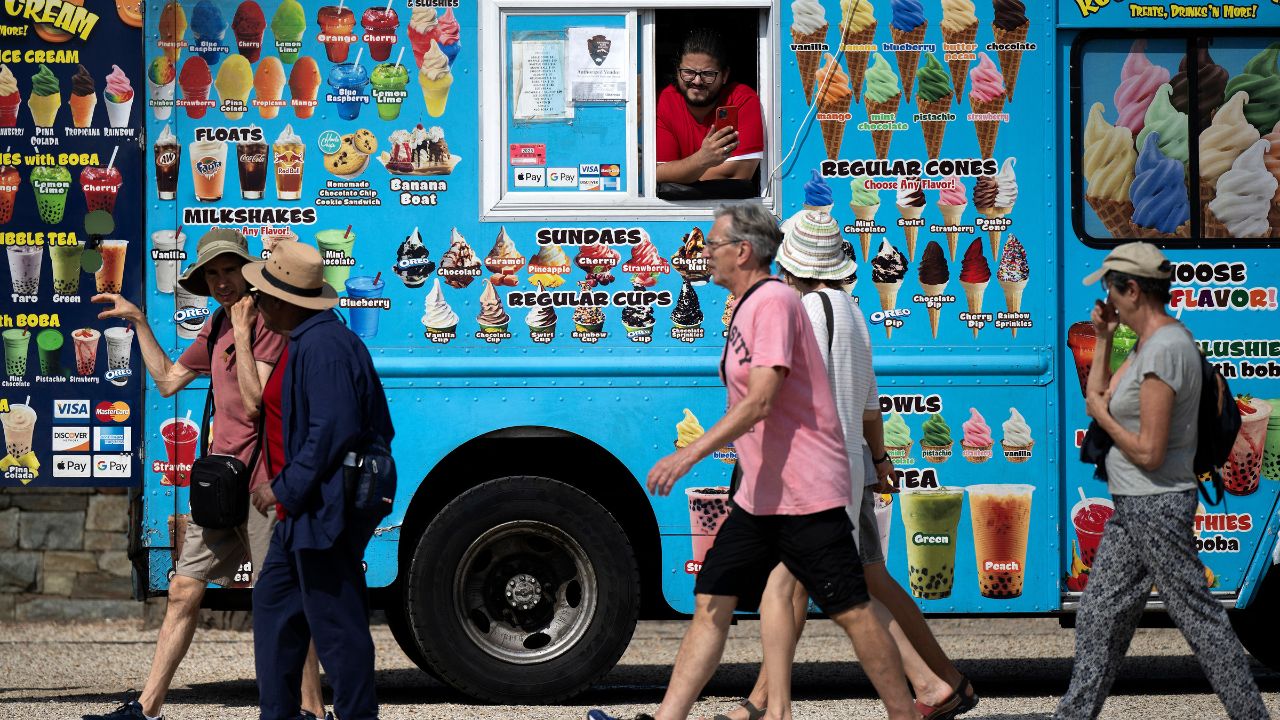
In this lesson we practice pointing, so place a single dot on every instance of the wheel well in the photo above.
(542, 451)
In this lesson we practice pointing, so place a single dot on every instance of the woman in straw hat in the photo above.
(813, 261)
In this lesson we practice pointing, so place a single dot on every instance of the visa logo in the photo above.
(70, 409)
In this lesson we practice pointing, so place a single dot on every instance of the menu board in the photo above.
(71, 184)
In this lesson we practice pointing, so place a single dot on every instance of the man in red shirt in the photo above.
(690, 149)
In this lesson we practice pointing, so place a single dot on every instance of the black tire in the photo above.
(398, 623)
(539, 560)
(1257, 625)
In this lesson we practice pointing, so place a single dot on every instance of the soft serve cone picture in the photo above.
(1212, 80)
(960, 31)
(986, 100)
(933, 98)
(1222, 142)
(435, 79)
(118, 97)
(951, 203)
(1006, 194)
(910, 204)
(864, 204)
(1012, 274)
(1109, 159)
(1139, 80)
(1261, 80)
(975, 275)
(84, 98)
(857, 39)
(45, 98)
(1017, 441)
(908, 27)
(884, 95)
(834, 97)
(1161, 208)
(1010, 28)
(437, 316)
(977, 442)
(897, 440)
(1170, 123)
(1242, 205)
(1271, 160)
(936, 442)
(10, 97)
(808, 29)
(888, 268)
(934, 275)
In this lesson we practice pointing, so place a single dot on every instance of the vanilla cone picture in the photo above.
(809, 33)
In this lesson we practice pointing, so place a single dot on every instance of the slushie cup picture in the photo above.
(389, 82)
(708, 508)
(51, 185)
(1001, 516)
(347, 83)
(180, 436)
(10, 98)
(1089, 517)
(101, 186)
(930, 517)
(379, 25)
(336, 26)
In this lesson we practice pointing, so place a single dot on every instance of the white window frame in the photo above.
(638, 199)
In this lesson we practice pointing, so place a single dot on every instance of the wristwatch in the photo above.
(880, 459)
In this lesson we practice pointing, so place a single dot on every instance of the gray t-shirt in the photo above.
(1170, 355)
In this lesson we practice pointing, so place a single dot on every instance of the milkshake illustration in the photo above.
(19, 426)
(119, 348)
(85, 341)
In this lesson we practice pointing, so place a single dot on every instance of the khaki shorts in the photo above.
(215, 556)
(867, 529)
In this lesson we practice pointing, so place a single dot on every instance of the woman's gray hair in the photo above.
(753, 224)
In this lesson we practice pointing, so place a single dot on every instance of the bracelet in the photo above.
(881, 459)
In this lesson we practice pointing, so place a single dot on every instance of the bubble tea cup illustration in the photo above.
(708, 508)
(930, 517)
(1001, 517)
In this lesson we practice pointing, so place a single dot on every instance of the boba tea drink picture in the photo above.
(1001, 516)
(9, 182)
(50, 342)
(708, 507)
(24, 268)
(85, 341)
(101, 185)
(65, 260)
(1082, 339)
(19, 426)
(168, 155)
(208, 169)
(119, 347)
(180, 436)
(288, 154)
(930, 517)
(110, 277)
(1271, 449)
(1244, 465)
(51, 185)
(17, 344)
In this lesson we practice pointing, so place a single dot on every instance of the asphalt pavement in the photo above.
(1019, 666)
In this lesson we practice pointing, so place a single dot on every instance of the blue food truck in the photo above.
(481, 177)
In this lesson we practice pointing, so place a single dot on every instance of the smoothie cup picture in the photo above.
(1089, 517)
(180, 436)
(119, 347)
(336, 26)
(9, 182)
(110, 277)
(1082, 339)
(19, 425)
(85, 341)
(1271, 449)
(51, 185)
(166, 253)
(389, 82)
(379, 25)
(1244, 466)
(335, 246)
(24, 268)
(1121, 345)
(930, 517)
(17, 343)
(289, 156)
(66, 268)
(101, 186)
(1001, 517)
(348, 82)
(208, 169)
(190, 312)
(49, 342)
(364, 320)
(708, 507)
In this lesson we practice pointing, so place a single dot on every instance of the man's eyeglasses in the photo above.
(707, 76)
(718, 243)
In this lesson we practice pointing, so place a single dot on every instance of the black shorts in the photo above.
(818, 549)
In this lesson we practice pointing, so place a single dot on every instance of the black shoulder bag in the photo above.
(220, 483)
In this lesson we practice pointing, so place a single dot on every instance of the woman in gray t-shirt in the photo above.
(1149, 408)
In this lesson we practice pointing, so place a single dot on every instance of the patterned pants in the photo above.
(1149, 541)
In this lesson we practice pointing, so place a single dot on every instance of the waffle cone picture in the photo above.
(1273, 217)
(867, 214)
(936, 454)
(951, 215)
(987, 129)
(833, 130)
(934, 313)
(82, 109)
(857, 59)
(908, 60)
(1013, 297)
(960, 68)
(888, 301)
(973, 293)
(1213, 227)
(976, 454)
(1208, 191)
(1010, 60)
(933, 129)
(881, 138)
(994, 236)
(808, 60)
(1017, 453)
(1146, 233)
(1114, 214)
(912, 232)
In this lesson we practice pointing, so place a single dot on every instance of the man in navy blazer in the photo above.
(323, 400)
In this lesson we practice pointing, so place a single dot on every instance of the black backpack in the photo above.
(1217, 425)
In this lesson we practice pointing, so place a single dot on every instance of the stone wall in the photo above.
(63, 555)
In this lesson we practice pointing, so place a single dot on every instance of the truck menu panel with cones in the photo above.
(930, 137)
(71, 189)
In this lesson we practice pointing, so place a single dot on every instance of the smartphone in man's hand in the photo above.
(726, 116)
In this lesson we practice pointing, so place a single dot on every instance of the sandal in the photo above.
(753, 712)
(968, 697)
(946, 710)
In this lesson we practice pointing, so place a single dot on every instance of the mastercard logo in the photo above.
(117, 411)
(611, 170)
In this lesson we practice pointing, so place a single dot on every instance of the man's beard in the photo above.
(711, 99)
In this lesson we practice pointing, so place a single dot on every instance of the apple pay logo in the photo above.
(71, 466)
(531, 177)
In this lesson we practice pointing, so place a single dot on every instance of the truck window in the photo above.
(576, 92)
(1168, 145)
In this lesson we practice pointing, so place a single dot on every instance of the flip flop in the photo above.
(946, 710)
(753, 712)
(968, 698)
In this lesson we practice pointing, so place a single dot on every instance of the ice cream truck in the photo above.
(485, 182)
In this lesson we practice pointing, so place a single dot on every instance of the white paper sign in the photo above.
(597, 60)
(538, 67)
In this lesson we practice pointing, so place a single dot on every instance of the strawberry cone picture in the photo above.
(1240, 474)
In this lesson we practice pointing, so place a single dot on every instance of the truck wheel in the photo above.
(1257, 625)
(398, 623)
(523, 590)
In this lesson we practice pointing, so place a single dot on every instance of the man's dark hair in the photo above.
(1154, 288)
(704, 41)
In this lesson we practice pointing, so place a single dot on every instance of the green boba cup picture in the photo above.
(51, 185)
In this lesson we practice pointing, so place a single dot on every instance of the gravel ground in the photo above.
(1019, 667)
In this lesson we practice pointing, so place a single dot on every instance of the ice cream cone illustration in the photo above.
(864, 204)
(808, 29)
(1222, 142)
(1159, 194)
(1242, 204)
(1109, 159)
(888, 268)
(959, 35)
(884, 95)
(986, 100)
(84, 98)
(1261, 80)
(1272, 163)
(436, 79)
(1017, 442)
(977, 442)
(1139, 80)
(897, 438)
(833, 99)
(268, 85)
(934, 97)
(908, 28)
(936, 442)
(45, 98)
(994, 197)
(1012, 274)
(857, 39)
(934, 276)
(910, 204)
(1010, 27)
(118, 97)
(952, 202)
(975, 275)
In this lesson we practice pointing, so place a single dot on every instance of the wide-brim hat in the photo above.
(1138, 259)
(813, 248)
(219, 241)
(294, 274)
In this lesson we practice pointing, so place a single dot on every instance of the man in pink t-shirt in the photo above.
(792, 483)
